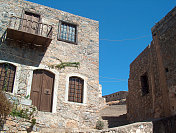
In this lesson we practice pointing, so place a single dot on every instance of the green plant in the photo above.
(33, 121)
(5, 108)
(5, 79)
(23, 113)
(99, 125)
(26, 97)
(27, 113)
(65, 64)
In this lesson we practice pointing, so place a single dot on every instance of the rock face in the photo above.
(152, 81)
(26, 59)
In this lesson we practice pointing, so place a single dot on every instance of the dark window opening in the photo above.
(173, 108)
(7, 76)
(166, 69)
(144, 84)
(76, 86)
(32, 14)
(67, 32)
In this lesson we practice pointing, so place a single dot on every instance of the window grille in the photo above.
(7, 76)
(67, 32)
(76, 86)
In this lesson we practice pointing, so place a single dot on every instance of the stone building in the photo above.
(152, 80)
(115, 113)
(53, 57)
(116, 96)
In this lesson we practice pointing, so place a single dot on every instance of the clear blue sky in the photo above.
(119, 20)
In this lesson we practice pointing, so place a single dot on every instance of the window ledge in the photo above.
(67, 41)
(81, 104)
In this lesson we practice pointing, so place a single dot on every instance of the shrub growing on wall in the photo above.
(5, 108)
(99, 125)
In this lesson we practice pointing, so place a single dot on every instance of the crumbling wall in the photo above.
(158, 61)
(139, 107)
(165, 30)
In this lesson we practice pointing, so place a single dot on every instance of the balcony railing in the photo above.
(29, 31)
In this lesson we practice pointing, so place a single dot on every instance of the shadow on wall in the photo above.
(114, 121)
(165, 125)
(19, 52)
(162, 125)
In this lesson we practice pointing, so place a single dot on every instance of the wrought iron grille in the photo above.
(41, 29)
(7, 76)
(76, 85)
(67, 32)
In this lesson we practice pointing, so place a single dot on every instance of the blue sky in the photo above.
(129, 22)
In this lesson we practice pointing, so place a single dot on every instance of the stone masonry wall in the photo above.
(140, 127)
(151, 105)
(166, 32)
(158, 61)
(116, 96)
(86, 52)
(139, 107)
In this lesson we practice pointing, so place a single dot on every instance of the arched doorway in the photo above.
(42, 90)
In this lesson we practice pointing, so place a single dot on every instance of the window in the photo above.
(67, 32)
(75, 93)
(144, 84)
(7, 76)
(166, 69)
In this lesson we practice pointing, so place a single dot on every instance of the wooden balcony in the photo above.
(28, 32)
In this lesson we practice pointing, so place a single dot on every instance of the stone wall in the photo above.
(86, 52)
(157, 60)
(139, 107)
(165, 34)
(162, 125)
(116, 115)
(21, 116)
(166, 125)
(140, 127)
(116, 96)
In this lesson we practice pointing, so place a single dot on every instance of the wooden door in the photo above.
(31, 22)
(7, 77)
(42, 90)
